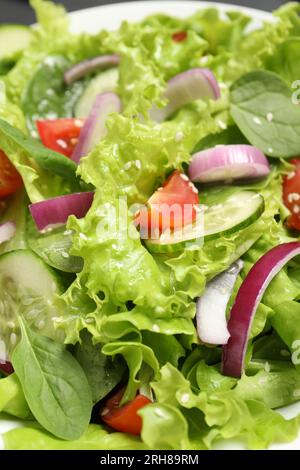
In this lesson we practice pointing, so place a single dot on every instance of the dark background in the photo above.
(18, 11)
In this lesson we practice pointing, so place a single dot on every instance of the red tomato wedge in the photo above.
(124, 418)
(171, 207)
(291, 195)
(60, 135)
(10, 180)
(180, 36)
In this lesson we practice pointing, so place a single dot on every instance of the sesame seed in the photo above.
(65, 255)
(160, 189)
(138, 164)
(296, 209)
(104, 412)
(270, 117)
(270, 150)
(158, 412)
(127, 166)
(184, 177)
(13, 339)
(267, 367)
(222, 124)
(78, 123)
(185, 398)
(41, 324)
(83, 236)
(293, 197)
(179, 136)
(291, 175)
(204, 60)
(156, 328)
(62, 143)
(257, 120)
(68, 232)
(11, 324)
(130, 86)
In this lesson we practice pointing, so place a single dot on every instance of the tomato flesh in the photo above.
(291, 195)
(10, 179)
(171, 207)
(124, 418)
(60, 135)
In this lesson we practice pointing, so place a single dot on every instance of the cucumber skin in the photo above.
(180, 246)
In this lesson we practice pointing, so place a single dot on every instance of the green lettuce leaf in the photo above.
(12, 399)
(33, 437)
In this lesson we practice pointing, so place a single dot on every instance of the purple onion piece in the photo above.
(185, 88)
(91, 65)
(228, 162)
(247, 301)
(94, 128)
(211, 306)
(54, 212)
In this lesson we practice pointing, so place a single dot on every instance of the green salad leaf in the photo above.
(54, 384)
(262, 107)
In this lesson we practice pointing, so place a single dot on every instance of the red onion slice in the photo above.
(6, 367)
(185, 88)
(228, 162)
(94, 128)
(211, 306)
(91, 65)
(56, 211)
(247, 301)
(7, 231)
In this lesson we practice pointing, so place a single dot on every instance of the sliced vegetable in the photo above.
(57, 210)
(291, 195)
(54, 247)
(236, 213)
(14, 38)
(91, 65)
(27, 285)
(247, 301)
(46, 158)
(174, 205)
(6, 367)
(7, 231)
(106, 81)
(211, 306)
(184, 88)
(94, 128)
(179, 36)
(60, 135)
(10, 180)
(124, 418)
(228, 162)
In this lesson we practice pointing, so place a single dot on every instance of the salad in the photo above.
(149, 233)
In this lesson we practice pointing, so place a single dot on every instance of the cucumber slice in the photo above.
(54, 248)
(102, 83)
(237, 212)
(27, 287)
(14, 38)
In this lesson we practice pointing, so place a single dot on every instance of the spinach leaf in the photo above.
(262, 108)
(47, 96)
(102, 372)
(47, 159)
(230, 136)
(54, 248)
(55, 386)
